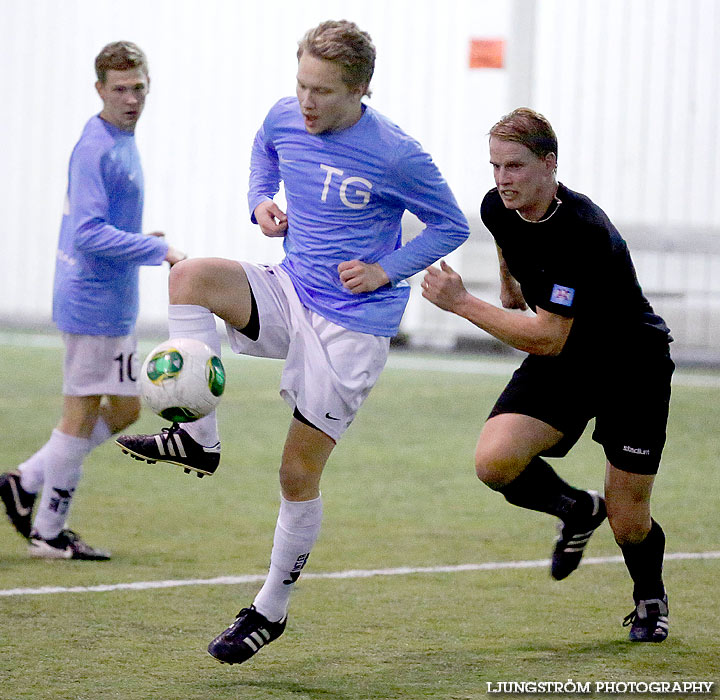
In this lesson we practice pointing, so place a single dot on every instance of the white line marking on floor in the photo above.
(348, 574)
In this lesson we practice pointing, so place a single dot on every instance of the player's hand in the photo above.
(511, 296)
(174, 256)
(443, 287)
(271, 219)
(359, 277)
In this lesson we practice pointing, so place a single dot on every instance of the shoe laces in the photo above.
(651, 607)
(630, 619)
(246, 612)
(172, 429)
(240, 619)
(70, 535)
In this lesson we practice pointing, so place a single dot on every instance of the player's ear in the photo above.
(551, 161)
(360, 90)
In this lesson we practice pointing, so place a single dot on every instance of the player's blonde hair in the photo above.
(346, 44)
(119, 55)
(529, 128)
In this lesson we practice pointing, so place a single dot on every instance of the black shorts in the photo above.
(629, 397)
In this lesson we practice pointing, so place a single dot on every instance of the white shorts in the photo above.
(99, 364)
(329, 370)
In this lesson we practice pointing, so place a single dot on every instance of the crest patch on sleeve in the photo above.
(562, 295)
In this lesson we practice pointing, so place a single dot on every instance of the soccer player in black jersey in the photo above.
(596, 350)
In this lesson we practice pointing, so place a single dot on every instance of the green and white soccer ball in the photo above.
(182, 380)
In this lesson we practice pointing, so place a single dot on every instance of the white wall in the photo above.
(216, 67)
(632, 88)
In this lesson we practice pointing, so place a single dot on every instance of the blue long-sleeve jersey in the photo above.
(100, 247)
(346, 193)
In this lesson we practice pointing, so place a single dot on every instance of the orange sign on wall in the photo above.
(487, 53)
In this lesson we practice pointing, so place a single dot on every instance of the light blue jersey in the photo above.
(346, 193)
(100, 247)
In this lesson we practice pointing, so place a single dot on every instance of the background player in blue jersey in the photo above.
(596, 350)
(95, 305)
(330, 307)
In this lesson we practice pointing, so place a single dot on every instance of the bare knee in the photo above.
(495, 468)
(203, 281)
(119, 415)
(79, 415)
(627, 498)
(305, 454)
(630, 523)
(219, 285)
(298, 483)
(185, 280)
(129, 417)
(507, 444)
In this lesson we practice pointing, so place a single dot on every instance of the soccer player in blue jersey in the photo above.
(95, 305)
(596, 349)
(330, 307)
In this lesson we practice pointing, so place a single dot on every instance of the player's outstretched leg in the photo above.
(175, 446)
(18, 502)
(66, 545)
(573, 538)
(250, 632)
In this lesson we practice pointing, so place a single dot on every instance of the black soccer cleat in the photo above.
(250, 632)
(572, 540)
(175, 446)
(18, 502)
(649, 620)
(67, 545)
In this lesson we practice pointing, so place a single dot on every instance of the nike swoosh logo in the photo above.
(23, 512)
(329, 417)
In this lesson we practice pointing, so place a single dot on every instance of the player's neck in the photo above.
(106, 118)
(543, 207)
(350, 120)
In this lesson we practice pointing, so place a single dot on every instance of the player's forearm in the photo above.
(413, 180)
(104, 240)
(265, 178)
(526, 333)
(425, 249)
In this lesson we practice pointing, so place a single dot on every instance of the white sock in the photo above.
(63, 470)
(32, 470)
(192, 321)
(298, 526)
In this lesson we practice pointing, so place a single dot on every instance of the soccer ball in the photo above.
(182, 380)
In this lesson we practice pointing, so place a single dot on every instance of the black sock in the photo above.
(540, 488)
(644, 561)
